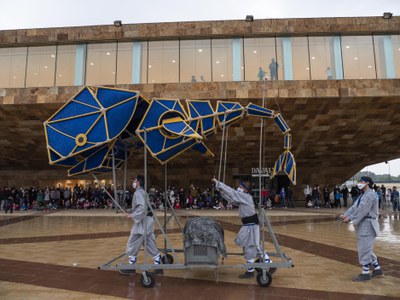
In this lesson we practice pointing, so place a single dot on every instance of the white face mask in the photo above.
(240, 190)
(360, 185)
(134, 184)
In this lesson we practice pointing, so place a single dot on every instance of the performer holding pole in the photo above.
(364, 215)
(249, 235)
(142, 228)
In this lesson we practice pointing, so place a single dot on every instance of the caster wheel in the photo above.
(167, 259)
(264, 282)
(148, 281)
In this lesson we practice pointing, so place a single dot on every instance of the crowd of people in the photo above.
(333, 198)
(79, 197)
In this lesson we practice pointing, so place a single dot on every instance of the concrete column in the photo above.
(80, 58)
(237, 59)
(389, 57)
(136, 62)
(287, 58)
(337, 57)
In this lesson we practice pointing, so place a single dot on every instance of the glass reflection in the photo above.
(163, 62)
(131, 63)
(195, 61)
(12, 67)
(387, 56)
(70, 65)
(101, 63)
(227, 64)
(325, 58)
(358, 57)
(41, 66)
(293, 57)
(258, 55)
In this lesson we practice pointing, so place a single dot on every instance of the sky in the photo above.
(22, 14)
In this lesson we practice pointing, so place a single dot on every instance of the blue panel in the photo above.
(179, 128)
(81, 148)
(73, 128)
(172, 142)
(153, 115)
(73, 109)
(208, 123)
(77, 169)
(54, 156)
(168, 154)
(68, 162)
(60, 142)
(108, 97)
(119, 117)
(96, 159)
(200, 147)
(98, 132)
(168, 103)
(86, 97)
(155, 140)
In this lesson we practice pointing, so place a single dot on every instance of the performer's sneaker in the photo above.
(362, 277)
(246, 275)
(127, 271)
(376, 273)
(272, 270)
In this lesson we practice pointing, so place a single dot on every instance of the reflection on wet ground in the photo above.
(56, 255)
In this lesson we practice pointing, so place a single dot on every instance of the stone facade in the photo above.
(338, 127)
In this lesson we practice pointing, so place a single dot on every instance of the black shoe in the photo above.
(362, 277)
(272, 270)
(127, 272)
(376, 273)
(246, 275)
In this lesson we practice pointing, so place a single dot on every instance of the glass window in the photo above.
(101, 63)
(41, 66)
(293, 57)
(387, 56)
(12, 67)
(163, 61)
(132, 63)
(358, 57)
(227, 62)
(258, 54)
(325, 58)
(70, 65)
(195, 61)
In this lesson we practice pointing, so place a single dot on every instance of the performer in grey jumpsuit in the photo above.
(364, 215)
(143, 226)
(249, 235)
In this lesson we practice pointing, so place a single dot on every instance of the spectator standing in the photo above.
(395, 199)
(345, 195)
(315, 196)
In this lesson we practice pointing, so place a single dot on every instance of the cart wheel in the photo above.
(264, 282)
(148, 281)
(167, 259)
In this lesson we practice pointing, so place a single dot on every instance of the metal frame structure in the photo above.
(99, 127)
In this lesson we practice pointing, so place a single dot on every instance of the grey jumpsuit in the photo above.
(139, 216)
(364, 215)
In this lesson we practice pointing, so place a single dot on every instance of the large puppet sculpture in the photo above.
(98, 123)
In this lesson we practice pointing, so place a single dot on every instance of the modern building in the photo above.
(336, 82)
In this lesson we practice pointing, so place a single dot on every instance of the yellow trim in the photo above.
(81, 139)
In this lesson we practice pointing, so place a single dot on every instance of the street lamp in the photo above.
(386, 162)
